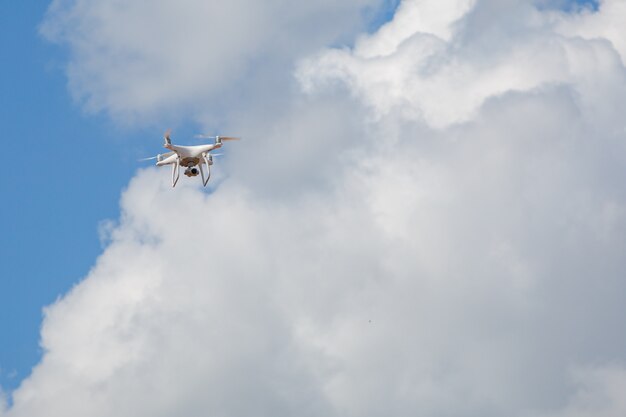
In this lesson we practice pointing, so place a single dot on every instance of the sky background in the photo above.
(440, 226)
(51, 220)
(50, 215)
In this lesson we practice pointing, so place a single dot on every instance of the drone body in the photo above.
(191, 157)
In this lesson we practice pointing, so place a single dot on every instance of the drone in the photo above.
(190, 157)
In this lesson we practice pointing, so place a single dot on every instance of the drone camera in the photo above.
(192, 171)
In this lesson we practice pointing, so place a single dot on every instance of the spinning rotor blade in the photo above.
(166, 136)
(159, 157)
(215, 137)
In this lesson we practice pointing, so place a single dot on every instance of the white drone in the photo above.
(189, 157)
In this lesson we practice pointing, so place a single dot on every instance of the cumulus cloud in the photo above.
(604, 26)
(434, 226)
(144, 59)
(419, 73)
(599, 392)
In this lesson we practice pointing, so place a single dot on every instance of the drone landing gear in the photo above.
(175, 172)
(208, 167)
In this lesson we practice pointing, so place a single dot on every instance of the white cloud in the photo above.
(143, 59)
(436, 18)
(600, 393)
(445, 80)
(447, 241)
(607, 25)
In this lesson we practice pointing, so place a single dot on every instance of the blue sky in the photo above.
(63, 175)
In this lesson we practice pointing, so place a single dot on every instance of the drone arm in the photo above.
(175, 172)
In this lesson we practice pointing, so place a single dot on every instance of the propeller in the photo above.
(159, 157)
(167, 138)
(215, 137)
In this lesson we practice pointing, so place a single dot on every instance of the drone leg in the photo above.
(208, 167)
(202, 174)
(175, 172)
